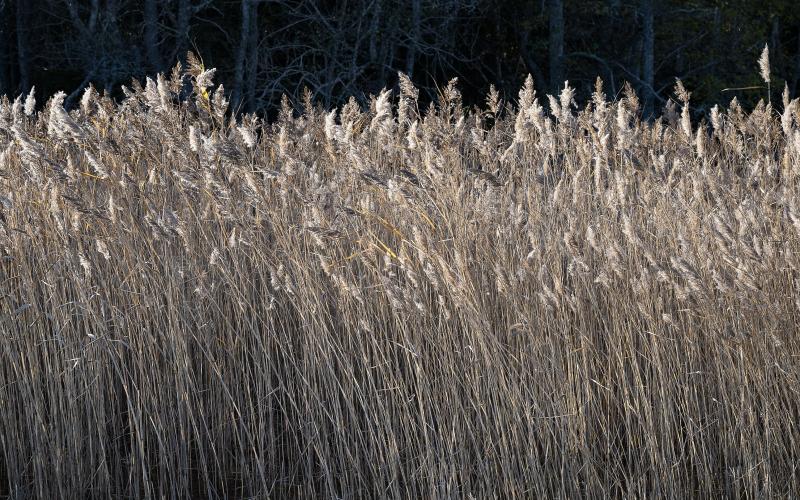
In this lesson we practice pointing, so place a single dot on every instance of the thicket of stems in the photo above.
(505, 303)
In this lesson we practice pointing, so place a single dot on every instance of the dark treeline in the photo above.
(266, 48)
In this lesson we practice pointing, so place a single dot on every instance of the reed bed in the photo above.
(506, 302)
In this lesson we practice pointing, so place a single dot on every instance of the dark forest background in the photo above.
(266, 48)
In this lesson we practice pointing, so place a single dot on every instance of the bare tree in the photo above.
(186, 11)
(340, 49)
(613, 8)
(151, 32)
(555, 10)
(23, 56)
(524, 36)
(796, 79)
(252, 64)
(5, 81)
(95, 43)
(184, 18)
(414, 36)
(246, 64)
(648, 47)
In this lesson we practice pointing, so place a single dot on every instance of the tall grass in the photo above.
(496, 303)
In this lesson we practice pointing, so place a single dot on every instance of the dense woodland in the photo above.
(266, 48)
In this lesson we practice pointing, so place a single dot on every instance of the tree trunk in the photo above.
(530, 63)
(94, 15)
(796, 79)
(5, 84)
(775, 45)
(648, 56)
(416, 14)
(555, 10)
(151, 34)
(23, 59)
(252, 62)
(182, 28)
(241, 54)
(373, 37)
(613, 8)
